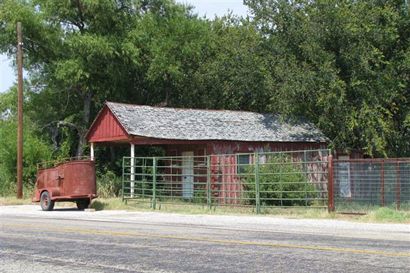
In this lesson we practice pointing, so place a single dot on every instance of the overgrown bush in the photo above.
(281, 183)
(108, 184)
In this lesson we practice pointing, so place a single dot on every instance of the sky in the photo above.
(208, 8)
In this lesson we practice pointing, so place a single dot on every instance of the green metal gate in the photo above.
(258, 180)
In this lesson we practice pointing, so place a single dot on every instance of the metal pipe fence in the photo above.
(257, 180)
(366, 183)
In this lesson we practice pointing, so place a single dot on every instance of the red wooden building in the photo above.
(201, 132)
(195, 132)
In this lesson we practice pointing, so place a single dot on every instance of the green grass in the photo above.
(387, 215)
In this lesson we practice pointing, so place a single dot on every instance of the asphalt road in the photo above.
(117, 241)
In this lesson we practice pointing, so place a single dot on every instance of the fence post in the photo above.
(257, 192)
(398, 185)
(208, 182)
(382, 184)
(280, 182)
(154, 182)
(330, 186)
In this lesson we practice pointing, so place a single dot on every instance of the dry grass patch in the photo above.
(13, 201)
(377, 215)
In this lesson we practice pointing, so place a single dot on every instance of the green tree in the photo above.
(35, 149)
(82, 53)
(340, 63)
(235, 76)
(72, 53)
(168, 44)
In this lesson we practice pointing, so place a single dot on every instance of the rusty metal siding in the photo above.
(106, 128)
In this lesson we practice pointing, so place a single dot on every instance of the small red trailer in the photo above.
(72, 180)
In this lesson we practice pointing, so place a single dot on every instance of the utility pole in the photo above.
(20, 111)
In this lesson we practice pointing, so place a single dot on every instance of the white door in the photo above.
(188, 175)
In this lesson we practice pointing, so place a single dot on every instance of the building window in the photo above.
(242, 163)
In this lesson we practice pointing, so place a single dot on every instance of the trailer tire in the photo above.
(83, 204)
(45, 201)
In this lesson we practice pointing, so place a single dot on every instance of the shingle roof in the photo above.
(195, 124)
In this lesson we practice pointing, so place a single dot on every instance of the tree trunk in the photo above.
(168, 90)
(82, 142)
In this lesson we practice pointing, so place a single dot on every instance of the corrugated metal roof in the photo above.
(195, 124)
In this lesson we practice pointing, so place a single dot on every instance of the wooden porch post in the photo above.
(92, 151)
(132, 177)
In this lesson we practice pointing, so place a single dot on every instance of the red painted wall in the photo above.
(231, 147)
(106, 128)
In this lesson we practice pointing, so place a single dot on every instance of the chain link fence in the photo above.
(365, 183)
(258, 180)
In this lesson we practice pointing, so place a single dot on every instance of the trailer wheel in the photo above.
(83, 204)
(45, 201)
